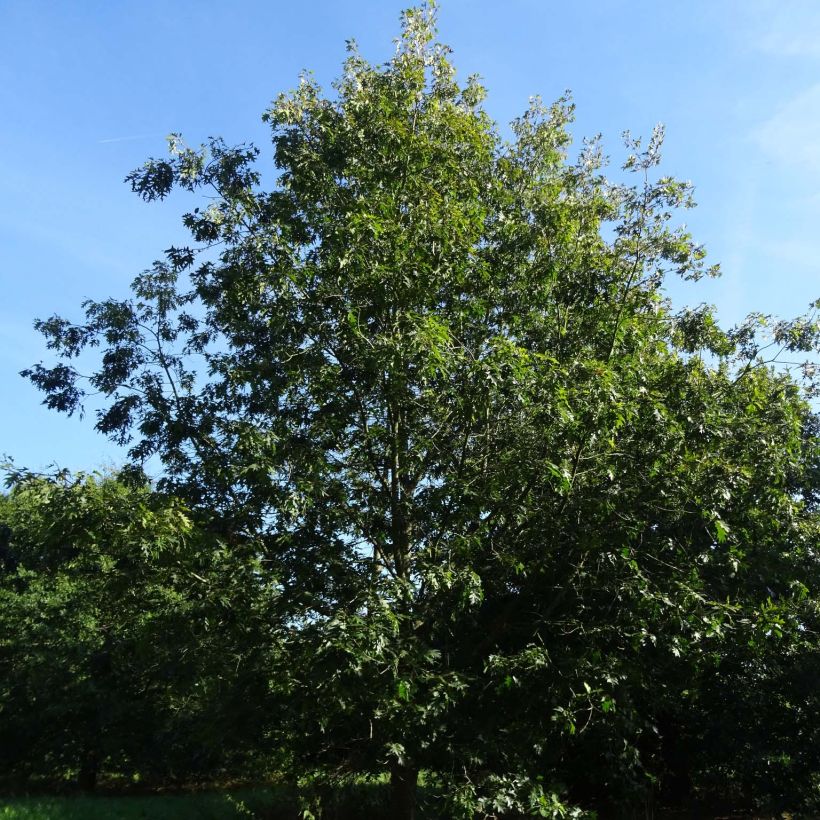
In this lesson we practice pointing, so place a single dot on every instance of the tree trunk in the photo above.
(87, 776)
(403, 782)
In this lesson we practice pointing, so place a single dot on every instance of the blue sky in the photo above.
(90, 88)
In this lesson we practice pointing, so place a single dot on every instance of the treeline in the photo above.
(138, 647)
(134, 644)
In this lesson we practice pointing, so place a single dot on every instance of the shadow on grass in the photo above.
(366, 801)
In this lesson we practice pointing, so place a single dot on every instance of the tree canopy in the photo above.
(130, 639)
(526, 523)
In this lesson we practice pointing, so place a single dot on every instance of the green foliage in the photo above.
(121, 646)
(526, 526)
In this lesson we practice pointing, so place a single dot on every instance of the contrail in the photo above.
(125, 139)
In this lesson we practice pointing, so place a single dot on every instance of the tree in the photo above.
(124, 638)
(506, 494)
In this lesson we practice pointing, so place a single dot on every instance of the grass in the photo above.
(361, 803)
(364, 801)
(242, 805)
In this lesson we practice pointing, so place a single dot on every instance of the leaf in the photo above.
(721, 531)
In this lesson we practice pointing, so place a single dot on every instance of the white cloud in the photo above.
(798, 252)
(791, 137)
(783, 29)
(785, 43)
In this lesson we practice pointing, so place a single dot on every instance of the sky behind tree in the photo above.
(89, 90)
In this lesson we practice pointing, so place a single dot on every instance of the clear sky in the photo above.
(90, 88)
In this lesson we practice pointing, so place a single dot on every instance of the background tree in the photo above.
(123, 646)
(511, 502)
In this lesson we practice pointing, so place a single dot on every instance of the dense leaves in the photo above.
(130, 643)
(528, 526)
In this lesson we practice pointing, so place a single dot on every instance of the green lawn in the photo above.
(364, 801)
(262, 804)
